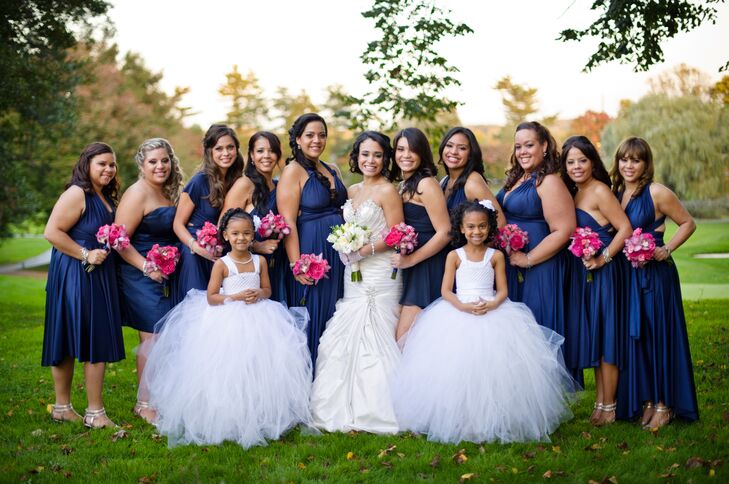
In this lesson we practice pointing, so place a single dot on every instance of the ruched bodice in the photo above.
(240, 281)
(475, 280)
(522, 206)
(642, 213)
(315, 200)
(369, 215)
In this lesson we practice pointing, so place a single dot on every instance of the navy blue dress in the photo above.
(83, 319)
(542, 289)
(658, 359)
(144, 302)
(455, 198)
(421, 283)
(595, 327)
(193, 271)
(317, 214)
(279, 273)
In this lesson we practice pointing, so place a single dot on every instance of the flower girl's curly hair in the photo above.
(457, 238)
(231, 214)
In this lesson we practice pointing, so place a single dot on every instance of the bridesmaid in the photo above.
(660, 372)
(460, 154)
(255, 192)
(201, 201)
(594, 322)
(147, 209)
(535, 198)
(425, 209)
(310, 195)
(83, 318)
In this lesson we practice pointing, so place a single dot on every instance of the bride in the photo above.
(357, 352)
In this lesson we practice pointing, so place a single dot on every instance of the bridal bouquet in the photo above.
(207, 237)
(311, 265)
(272, 226)
(113, 236)
(512, 238)
(639, 248)
(585, 244)
(163, 259)
(347, 238)
(403, 238)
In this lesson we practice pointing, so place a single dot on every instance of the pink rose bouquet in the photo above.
(163, 259)
(207, 237)
(639, 248)
(403, 238)
(311, 265)
(272, 226)
(113, 236)
(585, 244)
(511, 238)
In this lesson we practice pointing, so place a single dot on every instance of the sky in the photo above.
(310, 45)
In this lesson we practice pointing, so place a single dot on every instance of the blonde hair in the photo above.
(173, 185)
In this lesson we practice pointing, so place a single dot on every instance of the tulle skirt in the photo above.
(496, 377)
(234, 372)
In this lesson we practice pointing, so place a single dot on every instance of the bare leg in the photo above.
(94, 374)
(62, 379)
(141, 408)
(609, 377)
(599, 398)
(662, 416)
(407, 316)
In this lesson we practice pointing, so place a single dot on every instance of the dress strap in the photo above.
(461, 254)
(488, 255)
(232, 269)
(256, 263)
(444, 182)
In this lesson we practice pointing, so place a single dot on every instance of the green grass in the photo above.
(34, 448)
(18, 249)
(710, 237)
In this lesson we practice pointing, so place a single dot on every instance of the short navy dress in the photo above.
(83, 319)
(278, 263)
(144, 302)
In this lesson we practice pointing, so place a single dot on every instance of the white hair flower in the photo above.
(256, 222)
(487, 204)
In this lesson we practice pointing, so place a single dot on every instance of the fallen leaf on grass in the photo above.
(301, 465)
(66, 450)
(147, 479)
(156, 437)
(364, 470)
(586, 435)
(694, 462)
(593, 447)
(350, 455)
(121, 434)
(49, 408)
(386, 451)
(435, 462)
(712, 472)
(36, 433)
(548, 474)
(467, 477)
(481, 450)
(460, 457)
(387, 464)
(37, 470)
(67, 474)
(622, 446)
(556, 449)
(528, 455)
(502, 468)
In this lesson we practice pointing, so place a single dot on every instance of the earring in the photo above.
(545, 153)
(298, 147)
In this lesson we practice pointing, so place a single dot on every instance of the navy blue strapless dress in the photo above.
(280, 271)
(543, 287)
(83, 319)
(658, 359)
(193, 271)
(421, 283)
(455, 198)
(317, 214)
(143, 298)
(595, 325)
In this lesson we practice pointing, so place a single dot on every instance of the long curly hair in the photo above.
(382, 140)
(549, 165)
(231, 214)
(582, 143)
(173, 185)
(637, 149)
(457, 238)
(80, 175)
(260, 187)
(475, 157)
(296, 130)
(418, 142)
(219, 185)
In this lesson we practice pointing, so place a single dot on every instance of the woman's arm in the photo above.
(130, 213)
(477, 188)
(288, 197)
(559, 212)
(240, 195)
(66, 213)
(668, 204)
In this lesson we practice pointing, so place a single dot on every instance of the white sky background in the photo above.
(312, 44)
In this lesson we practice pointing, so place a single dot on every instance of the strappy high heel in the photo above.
(661, 420)
(608, 410)
(58, 414)
(91, 416)
(139, 409)
(595, 416)
(648, 411)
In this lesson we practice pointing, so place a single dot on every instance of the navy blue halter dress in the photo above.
(280, 271)
(455, 198)
(83, 319)
(193, 271)
(144, 302)
(658, 366)
(542, 289)
(318, 212)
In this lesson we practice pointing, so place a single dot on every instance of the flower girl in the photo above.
(230, 364)
(477, 366)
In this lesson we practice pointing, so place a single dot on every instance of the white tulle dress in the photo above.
(495, 377)
(238, 372)
(358, 354)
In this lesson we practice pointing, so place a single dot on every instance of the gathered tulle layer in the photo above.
(497, 377)
(234, 372)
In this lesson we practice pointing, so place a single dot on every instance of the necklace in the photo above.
(241, 261)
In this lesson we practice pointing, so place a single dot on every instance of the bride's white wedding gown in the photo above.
(358, 354)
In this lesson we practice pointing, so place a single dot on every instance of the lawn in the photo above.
(18, 249)
(34, 448)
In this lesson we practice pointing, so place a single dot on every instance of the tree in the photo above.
(519, 102)
(682, 80)
(249, 107)
(591, 125)
(720, 91)
(407, 76)
(290, 107)
(631, 31)
(689, 138)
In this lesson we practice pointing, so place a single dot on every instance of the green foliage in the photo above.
(720, 90)
(407, 76)
(291, 106)
(632, 31)
(689, 138)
